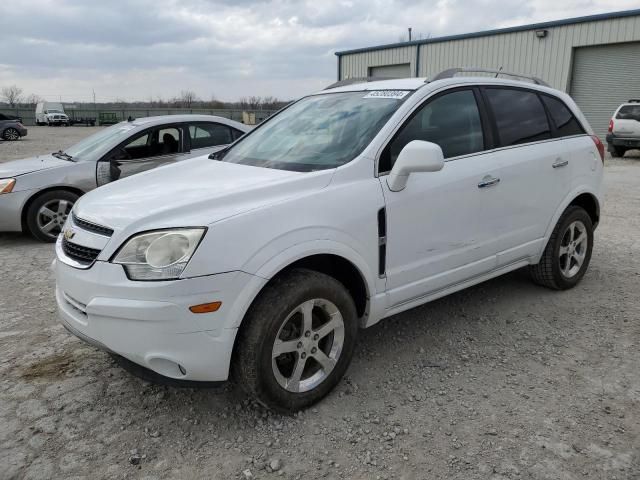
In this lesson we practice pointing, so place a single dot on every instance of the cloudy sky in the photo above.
(138, 49)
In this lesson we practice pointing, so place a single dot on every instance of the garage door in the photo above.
(402, 70)
(603, 78)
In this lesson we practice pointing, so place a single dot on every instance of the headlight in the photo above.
(159, 255)
(7, 184)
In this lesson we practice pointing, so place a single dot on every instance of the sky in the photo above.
(226, 49)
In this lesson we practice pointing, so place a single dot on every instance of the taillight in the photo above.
(599, 146)
(611, 125)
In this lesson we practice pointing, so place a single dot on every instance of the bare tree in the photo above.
(187, 98)
(33, 99)
(12, 94)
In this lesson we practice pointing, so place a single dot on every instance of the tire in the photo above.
(46, 214)
(617, 152)
(553, 271)
(11, 134)
(277, 313)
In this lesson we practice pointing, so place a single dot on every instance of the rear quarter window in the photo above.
(566, 123)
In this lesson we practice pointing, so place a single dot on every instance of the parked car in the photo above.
(624, 129)
(348, 206)
(4, 116)
(12, 130)
(37, 194)
(51, 113)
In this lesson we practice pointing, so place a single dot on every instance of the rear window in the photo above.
(566, 123)
(629, 112)
(519, 115)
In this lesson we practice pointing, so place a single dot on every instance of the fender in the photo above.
(286, 257)
(571, 196)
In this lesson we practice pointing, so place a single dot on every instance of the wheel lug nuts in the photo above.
(307, 333)
(303, 355)
(316, 336)
(314, 350)
(299, 344)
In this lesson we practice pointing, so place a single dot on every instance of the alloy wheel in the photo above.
(11, 134)
(308, 345)
(573, 248)
(52, 215)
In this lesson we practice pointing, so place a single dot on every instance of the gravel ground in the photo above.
(505, 380)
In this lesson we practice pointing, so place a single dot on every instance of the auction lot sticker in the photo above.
(387, 94)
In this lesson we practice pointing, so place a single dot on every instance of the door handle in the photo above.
(560, 163)
(488, 181)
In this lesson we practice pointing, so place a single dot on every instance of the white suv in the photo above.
(624, 129)
(348, 206)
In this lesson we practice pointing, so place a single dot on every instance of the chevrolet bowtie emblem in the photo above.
(69, 234)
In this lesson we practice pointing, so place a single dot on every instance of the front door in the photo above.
(437, 232)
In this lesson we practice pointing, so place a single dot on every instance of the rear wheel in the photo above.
(47, 213)
(11, 134)
(568, 253)
(296, 341)
(618, 152)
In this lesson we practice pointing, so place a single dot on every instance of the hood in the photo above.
(28, 165)
(51, 114)
(196, 192)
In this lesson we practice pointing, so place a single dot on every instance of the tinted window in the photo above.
(519, 115)
(566, 123)
(209, 135)
(451, 120)
(236, 133)
(629, 112)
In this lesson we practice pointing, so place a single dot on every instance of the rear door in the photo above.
(208, 137)
(536, 158)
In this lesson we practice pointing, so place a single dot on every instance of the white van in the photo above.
(356, 203)
(51, 113)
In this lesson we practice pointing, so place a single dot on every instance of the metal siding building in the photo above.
(596, 59)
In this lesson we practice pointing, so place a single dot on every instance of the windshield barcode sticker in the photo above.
(387, 94)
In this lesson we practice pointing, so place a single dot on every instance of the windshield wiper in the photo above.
(63, 155)
(219, 155)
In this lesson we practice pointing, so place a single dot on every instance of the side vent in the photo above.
(382, 241)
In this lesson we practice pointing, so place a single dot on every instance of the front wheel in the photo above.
(47, 213)
(568, 253)
(296, 341)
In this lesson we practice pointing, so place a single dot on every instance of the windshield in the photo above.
(94, 146)
(318, 132)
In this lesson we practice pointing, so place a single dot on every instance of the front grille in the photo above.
(83, 255)
(92, 227)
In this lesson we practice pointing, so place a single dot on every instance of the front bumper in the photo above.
(57, 121)
(149, 323)
(627, 142)
(11, 205)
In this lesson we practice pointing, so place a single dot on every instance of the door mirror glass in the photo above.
(416, 156)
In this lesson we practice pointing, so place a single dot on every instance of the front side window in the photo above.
(318, 132)
(451, 120)
(209, 135)
(519, 115)
(566, 123)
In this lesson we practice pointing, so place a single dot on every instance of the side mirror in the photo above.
(416, 156)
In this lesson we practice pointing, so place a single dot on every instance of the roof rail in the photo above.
(452, 72)
(634, 100)
(351, 81)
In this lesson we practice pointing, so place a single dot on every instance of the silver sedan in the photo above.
(37, 194)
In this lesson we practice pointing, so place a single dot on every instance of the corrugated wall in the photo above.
(549, 58)
(357, 64)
